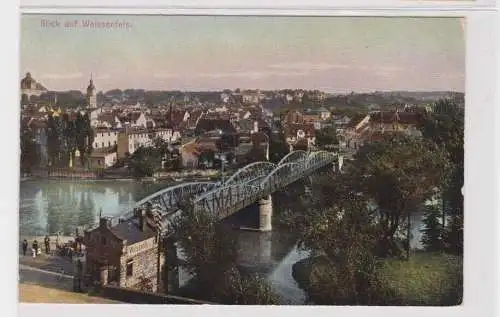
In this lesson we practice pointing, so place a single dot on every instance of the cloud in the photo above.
(62, 76)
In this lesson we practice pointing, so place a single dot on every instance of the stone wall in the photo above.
(140, 297)
(144, 266)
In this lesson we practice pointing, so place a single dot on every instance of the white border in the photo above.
(480, 191)
(264, 4)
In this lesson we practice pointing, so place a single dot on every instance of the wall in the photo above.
(139, 297)
(144, 265)
(123, 145)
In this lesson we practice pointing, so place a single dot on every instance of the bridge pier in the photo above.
(265, 213)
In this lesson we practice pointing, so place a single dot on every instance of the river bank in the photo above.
(111, 174)
(426, 279)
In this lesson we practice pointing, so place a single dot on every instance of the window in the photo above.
(102, 144)
(115, 142)
(96, 145)
(109, 143)
(103, 239)
(99, 163)
(109, 133)
(130, 268)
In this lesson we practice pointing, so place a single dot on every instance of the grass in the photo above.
(431, 279)
(30, 293)
(426, 279)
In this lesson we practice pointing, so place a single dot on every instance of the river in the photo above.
(52, 206)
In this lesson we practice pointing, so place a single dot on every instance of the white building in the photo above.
(105, 138)
(129, 141)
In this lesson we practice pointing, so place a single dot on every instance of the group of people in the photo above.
(35, 249)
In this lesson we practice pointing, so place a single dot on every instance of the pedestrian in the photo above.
(35, 248)
(25, 247)
(47, 244)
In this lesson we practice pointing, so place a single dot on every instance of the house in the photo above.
(106, 120)
(377, 123)
(189, 155)
(135, 119)
(300, 132)
(130, 139)
(126, 255)
(206, 124)
(254, 151)
(30, 87)
(105, 138)
(101, 158)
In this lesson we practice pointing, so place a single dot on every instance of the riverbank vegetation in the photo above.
(358, 229)
(210, 253)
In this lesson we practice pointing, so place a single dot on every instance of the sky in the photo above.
(333, 54)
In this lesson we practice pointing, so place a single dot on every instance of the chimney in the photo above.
(104, 222)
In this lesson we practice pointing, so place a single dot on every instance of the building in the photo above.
(91, 97)
(376, 124)
(190, 155)
(100, 158)
(105, 138)
(30, 87)
(127, 254)
(129, 140)
(304, 133)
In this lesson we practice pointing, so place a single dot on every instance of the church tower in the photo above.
(91, 95)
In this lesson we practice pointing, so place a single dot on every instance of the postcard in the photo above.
(241, 160)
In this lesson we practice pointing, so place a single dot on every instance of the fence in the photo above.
(75, 173)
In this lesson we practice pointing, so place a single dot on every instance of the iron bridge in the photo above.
(243, 188)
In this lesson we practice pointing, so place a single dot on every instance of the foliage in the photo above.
(65, 136)
(29, 155)
(210, 251)
(246, 290)
(432, 238)
(399, 173)
(326, 136)
(143, 162)
(344, 236)
(445, 127)
(278, 147)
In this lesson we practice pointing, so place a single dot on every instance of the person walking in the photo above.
(25, 247)
(35, 248)
(47, 244)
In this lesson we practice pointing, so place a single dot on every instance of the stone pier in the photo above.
(265, 213)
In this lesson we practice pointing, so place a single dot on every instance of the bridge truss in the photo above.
(243, 188)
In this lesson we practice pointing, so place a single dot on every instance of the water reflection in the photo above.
(52, 206)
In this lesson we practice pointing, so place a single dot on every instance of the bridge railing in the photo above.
(243, 188)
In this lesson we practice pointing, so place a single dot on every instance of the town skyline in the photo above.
(217, 53)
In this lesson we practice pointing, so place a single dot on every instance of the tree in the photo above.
(432, 238)
(53, 140)
(445, 127)
(342, 237)
(142, 162)
(278, 147)
(326, 137)
(211, 252)
(29, 156)
(399, 173)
